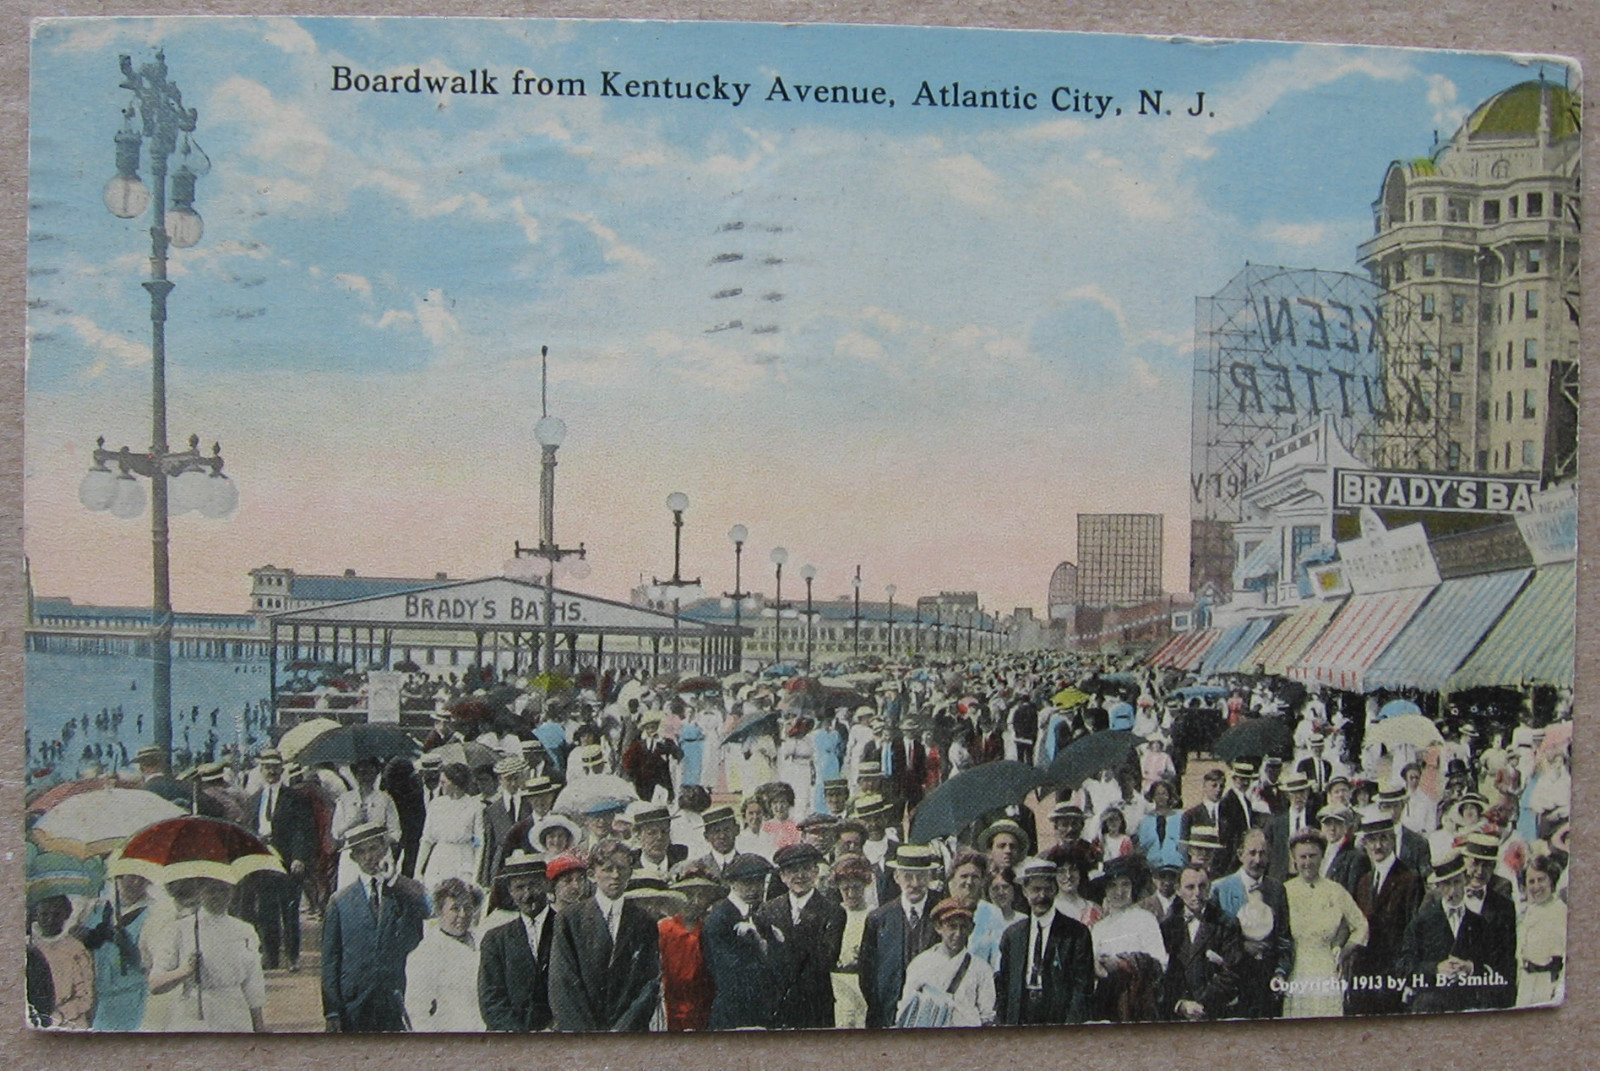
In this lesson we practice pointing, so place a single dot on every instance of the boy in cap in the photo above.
(740, 947)
(720, 828)
(514, 964)
(371, 926)
(810, 926)
(948, 976)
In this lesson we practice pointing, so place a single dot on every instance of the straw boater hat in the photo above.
(1296, 782)
(650, 814)
(540, 785)
(872, 805)
(1202, 837)
(365, 833)
(520, 863)
(714, 815)
(1392, 795)
(212, 773)
(1035, 867)
(817, 820)
(149, 753)
(1243, 768)
(1375, 820)
(1453, 867)
(431, 761)
(655, 891)
(916, 857)
(1481, 846)
(1068, 812)
(511, 764)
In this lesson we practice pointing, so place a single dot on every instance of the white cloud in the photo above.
(1300, 235)
(1448, 112)
(356, 284)
(435, 319)
(289, 36)
(107, 343)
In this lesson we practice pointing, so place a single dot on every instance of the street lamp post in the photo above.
(891, 589)
(677, 587)
(855, 618)
(737, 536)
(808, 573)
(550, 432)
(182, 480)
(779, 556)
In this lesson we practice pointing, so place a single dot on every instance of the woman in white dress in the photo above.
(209, 962)
(1327, 928)
(442, 974)
(453, 834)
(1130, 955)
(1541, 937)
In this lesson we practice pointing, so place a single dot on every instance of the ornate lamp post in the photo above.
(808, 573)
(677, 588)
(891, 589)
(183, 480)
(737, 535)
(855, 618)
(550, 432)
(779, 556)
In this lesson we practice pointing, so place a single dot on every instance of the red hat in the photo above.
(563, 864)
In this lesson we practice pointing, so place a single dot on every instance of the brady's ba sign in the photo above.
(1433, 491)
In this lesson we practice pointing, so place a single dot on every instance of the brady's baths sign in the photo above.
(1433, 492)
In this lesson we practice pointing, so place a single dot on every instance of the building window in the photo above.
(1430, 209)
(1483, 461)
(1535, 204)
(1301, 539)
(1530, 353)
(1458, 308)
(1455, 265)
(1508, 420)
(1529, 460)
(1428, 355)
(1486, 312)
(1534, 258)
(1555, 204)
(1429, 306)
(1528, 409)
(1530, 304)
(1457, 209)
(1511, 305)
(1455, 405)
(1430, 265)
(1511, 206)
(1491, 211)
(1453, 457)
(1483, 360)
(1457, 356)
(1510, 350)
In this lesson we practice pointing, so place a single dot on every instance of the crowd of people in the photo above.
(639, 857)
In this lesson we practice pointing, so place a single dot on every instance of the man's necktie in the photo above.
(377, 901)
(1036, 972)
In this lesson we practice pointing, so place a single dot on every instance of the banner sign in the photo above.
(1432, 492)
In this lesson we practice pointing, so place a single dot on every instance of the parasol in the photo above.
(1254, 738)
(595, 793)
(970, 795)
(469, 753)
(296, 739)
(94, 823)
(194, 847)
(1089, 755)
(352, 743)
(1394, 708)
(1412, 729)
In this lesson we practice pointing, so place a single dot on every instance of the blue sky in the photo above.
(956, 328)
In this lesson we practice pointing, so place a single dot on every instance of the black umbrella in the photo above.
(968, 796)
(353, 743)
(748, 725)
(1089, 755)
(1253, 738)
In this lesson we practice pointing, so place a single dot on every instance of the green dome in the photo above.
(1514, 112)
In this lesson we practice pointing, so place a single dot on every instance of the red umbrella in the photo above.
(46, 800)
(194, 847)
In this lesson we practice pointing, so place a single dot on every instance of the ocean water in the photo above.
(60, 688)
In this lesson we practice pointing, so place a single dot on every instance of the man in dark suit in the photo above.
(811, 926)
(1447, 948)
(504, 810)
(897, 931)
(720, 828)
(647, 761)
(605, 961)
(1410, 846)
(155, 777)
(1268, 946)
(1208, 812)
(740, 948)
(1388, 895)
(514, 959)
(368, 930)
(656, 856)
(1299, 814)
(1236, 811)
(283, 819)
(1046, 960)
(1204, 953)
(1489, 895)
(1344, 862)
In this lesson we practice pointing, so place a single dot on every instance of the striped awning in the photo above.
(1158, 657)
(1354, 640)
(1187, 655)
(1244, 640)
(1289, 640)
(1444, 632)
(1264, 560)
(1533, 641)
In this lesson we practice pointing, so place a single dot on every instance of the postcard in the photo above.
(610, 526)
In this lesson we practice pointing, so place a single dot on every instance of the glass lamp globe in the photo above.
(184, 227)
(128, 501)
(550, 431)
(98, 489)
(126, 196)
(578, 569)
(738, 534)
(808, 572)
(779, 555)
(221, 498)
(677, 502)
(188, 490)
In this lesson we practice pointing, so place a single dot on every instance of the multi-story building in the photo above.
(1119, 558)
(1481, 238)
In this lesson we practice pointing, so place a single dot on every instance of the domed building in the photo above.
(1481, 239)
